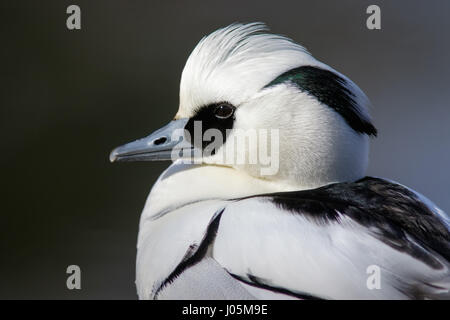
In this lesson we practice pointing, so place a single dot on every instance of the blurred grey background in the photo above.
(69, 97)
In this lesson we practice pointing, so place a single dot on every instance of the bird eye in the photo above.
(223, 111)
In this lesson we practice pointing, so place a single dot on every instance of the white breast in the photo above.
(176, 215)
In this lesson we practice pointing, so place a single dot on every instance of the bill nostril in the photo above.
(160, 141)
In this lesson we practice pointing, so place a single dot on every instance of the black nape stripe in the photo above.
(331, 90)
(195, 253)
(259, 283)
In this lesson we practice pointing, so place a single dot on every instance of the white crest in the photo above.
(234, 63)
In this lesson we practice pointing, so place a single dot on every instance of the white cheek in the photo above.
(315, 143)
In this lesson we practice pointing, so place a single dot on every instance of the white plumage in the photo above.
(225, 231)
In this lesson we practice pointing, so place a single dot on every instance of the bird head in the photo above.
(260, 103)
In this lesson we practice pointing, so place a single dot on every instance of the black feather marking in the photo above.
(195, 253)
(393, 214)
(331, 90)
(260, 283)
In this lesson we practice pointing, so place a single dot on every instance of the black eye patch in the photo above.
(218, 116)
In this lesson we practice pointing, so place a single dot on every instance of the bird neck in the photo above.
(183, 184)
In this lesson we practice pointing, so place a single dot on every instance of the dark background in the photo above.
(69, 97)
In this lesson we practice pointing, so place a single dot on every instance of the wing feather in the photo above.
(323, 242)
